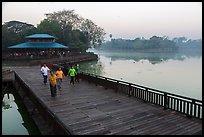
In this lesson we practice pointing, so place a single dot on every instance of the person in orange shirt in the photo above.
(59, 73)
(53, 82)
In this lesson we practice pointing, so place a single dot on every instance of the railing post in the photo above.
(191, 109)
(130, 90)
(165, 101)
(145, 95)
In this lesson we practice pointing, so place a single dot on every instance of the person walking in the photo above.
(44, 71)
(59, 73)
(77, 73)
(72, 73)
(53, 83)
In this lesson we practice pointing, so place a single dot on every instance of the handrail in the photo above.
(188, 106)
(107, 78)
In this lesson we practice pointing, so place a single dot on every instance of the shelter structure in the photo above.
(39, 45)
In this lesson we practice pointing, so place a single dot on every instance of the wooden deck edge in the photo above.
(44, 120)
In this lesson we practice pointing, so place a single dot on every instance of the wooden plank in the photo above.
(87, 109)
(157, 126)
(171, 125)
(128, 125)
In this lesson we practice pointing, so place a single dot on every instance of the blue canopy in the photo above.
(39, 45)
(40, 36)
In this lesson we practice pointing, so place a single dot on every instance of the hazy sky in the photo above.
(121, 19)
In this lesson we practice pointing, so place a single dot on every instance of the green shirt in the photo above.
(77, 69)
(72, 72)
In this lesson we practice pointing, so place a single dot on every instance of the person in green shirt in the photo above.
(77, 73)
(72, 73)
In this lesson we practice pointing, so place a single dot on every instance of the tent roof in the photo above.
(40, 36)
(39, 45)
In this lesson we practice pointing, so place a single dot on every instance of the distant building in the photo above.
(39, 41)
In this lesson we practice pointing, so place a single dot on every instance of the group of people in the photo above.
(37, 54)
(55, 78)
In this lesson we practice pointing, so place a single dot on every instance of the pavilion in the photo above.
(38, 45)
(42, 41)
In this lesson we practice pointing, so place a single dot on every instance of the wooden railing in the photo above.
(188, 106)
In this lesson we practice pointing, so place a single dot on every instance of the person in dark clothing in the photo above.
(77, 73)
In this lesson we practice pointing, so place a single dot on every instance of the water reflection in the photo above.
(93, 67)
(15, 118)
(170, 72)
(153, 58)
(5, 104)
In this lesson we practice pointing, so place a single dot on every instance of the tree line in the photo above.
(69, 28)
(154, 44)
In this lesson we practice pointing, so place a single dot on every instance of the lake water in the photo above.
(174, 73)
(15, 118)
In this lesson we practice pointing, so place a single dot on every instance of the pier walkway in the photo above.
(85, 108)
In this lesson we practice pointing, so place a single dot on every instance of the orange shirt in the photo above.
(59, 74)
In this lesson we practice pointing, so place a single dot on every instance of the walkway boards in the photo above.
(89, 109)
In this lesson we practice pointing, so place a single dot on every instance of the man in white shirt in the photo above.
(44, 71)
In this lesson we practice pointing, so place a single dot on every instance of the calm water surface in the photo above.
(173, 73)
(15, 118)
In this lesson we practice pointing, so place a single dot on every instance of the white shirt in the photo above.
(44, 70)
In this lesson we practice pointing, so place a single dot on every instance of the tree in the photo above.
(13, 32)
(71, 21)
(8, 37)
(154, 44)
(179, 39)
(50, 27)
(111, 36)
(18, 27)
(66, 18)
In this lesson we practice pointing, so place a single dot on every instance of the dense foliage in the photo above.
(68, 27)
(13, 32)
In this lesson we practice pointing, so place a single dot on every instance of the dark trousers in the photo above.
(45, 79)
(72, 80)
(53, 90)
(77, 78)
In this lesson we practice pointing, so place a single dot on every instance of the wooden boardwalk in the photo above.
(89, 109)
